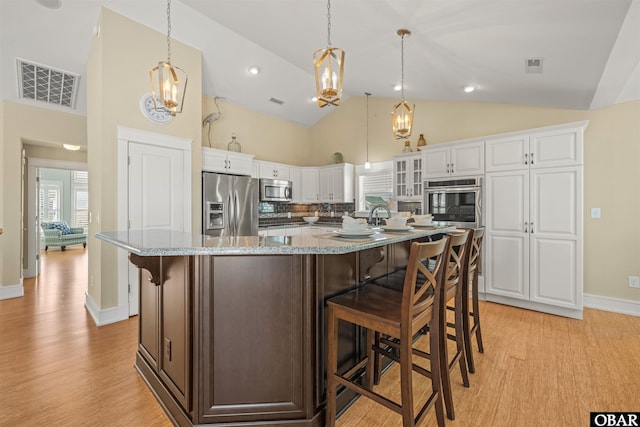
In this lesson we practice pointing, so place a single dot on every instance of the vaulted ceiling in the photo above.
(590, 49)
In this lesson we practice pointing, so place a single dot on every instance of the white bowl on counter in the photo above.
(311, 219)
(354, 226)
(396, 221)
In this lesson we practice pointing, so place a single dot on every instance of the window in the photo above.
(375, 186)
(80, 207)
(50, 201)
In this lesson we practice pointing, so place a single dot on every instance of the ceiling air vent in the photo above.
(277, 101)
(46, 84)
(533, 66)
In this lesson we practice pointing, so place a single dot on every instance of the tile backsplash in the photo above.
(277, 213)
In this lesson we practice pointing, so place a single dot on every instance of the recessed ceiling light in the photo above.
(254, 70)
(469, 88)
(397, 87)
(51, 4)
(314, 99)
(71, 147)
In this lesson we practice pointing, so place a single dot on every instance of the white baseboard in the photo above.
(102, 316)
(616, 305)
(12, 291)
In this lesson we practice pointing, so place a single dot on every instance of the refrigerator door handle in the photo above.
(236, 207)
(230, 214)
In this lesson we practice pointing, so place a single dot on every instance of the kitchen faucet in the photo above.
(375, 208)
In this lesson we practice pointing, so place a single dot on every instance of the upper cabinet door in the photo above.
(239, 164)
(467, 159)
(436, 161)
(310, 185)
(509, 153)
(560, 147)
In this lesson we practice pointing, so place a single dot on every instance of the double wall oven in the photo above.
(454, 201)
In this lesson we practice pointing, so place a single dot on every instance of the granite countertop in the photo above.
(173, 243)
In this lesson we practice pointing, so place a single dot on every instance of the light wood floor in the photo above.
(58, 369)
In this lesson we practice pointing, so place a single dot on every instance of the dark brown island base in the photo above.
(233, 330)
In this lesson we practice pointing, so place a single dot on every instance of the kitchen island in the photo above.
(232, 330)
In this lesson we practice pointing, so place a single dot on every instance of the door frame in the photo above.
(33, 232)
(125, 136)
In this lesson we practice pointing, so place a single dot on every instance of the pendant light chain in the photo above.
(402, 66)
(329, 23)
(169, 31)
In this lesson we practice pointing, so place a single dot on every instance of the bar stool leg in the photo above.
(332, 367)
(406, 385)
(476, 313)
(460, 340)
(372, 357)
(465, 325)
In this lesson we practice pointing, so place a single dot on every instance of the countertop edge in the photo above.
(263, 245)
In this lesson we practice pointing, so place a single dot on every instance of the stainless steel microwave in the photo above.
(275, 190)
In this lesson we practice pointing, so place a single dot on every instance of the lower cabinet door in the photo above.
(253, 309)
(508, 265)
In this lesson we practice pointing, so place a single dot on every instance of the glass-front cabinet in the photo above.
(407, 177)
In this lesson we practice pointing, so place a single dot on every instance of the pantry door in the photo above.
(158, 193)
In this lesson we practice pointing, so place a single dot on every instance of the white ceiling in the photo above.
(590, 48)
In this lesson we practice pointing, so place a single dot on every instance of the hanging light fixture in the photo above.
(367, 165)
(168, 82)
(328, 66)
(402, 114)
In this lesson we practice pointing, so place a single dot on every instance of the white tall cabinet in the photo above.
(534, 211)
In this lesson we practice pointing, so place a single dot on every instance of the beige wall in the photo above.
(25, 123)
(611, 158)
(266, 137)
(118, 77)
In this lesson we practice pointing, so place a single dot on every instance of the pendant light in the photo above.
(402, 114)
(367, 165)
(168, 82)
(328, 66)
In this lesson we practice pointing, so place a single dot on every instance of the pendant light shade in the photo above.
(168, 82)
(328, 67)
(402, 114)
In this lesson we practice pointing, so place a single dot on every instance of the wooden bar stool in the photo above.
(473, 267)
(452, 286)
(399, 315)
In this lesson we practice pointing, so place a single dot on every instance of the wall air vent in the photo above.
(46, 84)
(533, 65)
(277, 101)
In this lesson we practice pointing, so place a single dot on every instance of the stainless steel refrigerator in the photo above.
(229, 205)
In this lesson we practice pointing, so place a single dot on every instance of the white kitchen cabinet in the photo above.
(407, 177)
(453, 159)
(534, 239)
(295, 176)
(336, 183)
(310, 185)
(274, 170)
(214, 160)
(545, 147)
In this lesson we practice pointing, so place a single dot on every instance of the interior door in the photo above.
(156, 197)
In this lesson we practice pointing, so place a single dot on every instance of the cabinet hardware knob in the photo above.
(526, 230)
(531, 158)
(526, 158)
(531, 228)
